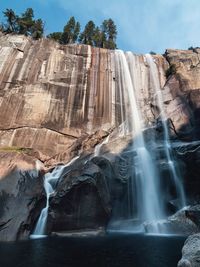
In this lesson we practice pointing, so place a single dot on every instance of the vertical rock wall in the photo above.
(52, 94)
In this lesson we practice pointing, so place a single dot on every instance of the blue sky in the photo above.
(143, 25)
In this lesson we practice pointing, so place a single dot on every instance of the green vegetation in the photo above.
(109, 32)
(152, 53)
(87, 36)
(170, 71)
(15, 149)
(24, 24)
(104, 36)
(56, 36)
(194, 49)
(70, 32)
(191, 48)
(11, 21)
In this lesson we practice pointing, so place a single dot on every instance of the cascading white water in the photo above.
(149, 208)
(49, 180)
(98, 147)
(167, 146)
(123, 128)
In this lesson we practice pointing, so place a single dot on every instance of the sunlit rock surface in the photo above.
(184, 88)
(52, 94)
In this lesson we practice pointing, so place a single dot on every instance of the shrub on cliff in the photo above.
(170, 71)
(56, 36)
(1, 28)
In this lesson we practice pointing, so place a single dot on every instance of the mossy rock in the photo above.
(15, 149)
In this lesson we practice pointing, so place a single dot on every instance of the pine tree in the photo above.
(76, 32)
(11, 19)
(70, 31)
(110, 30)
(87, 36)
(99, 37)
(26, 22)
(37, 29)
(104, 36)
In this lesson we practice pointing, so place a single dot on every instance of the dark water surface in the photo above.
(108, 251)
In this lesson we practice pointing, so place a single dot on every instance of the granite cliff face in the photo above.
(51, 95)
(57, 102)
(183, 107)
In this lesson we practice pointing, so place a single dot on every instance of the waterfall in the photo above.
(123, 128)
(145, 173)
(145, 184)
(154, 75)
(50, 180)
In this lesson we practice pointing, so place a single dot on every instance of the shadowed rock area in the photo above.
(191, 253)
(21, 195)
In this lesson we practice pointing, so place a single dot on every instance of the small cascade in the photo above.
(98, 147)
(50, 181)
(167, 146)
(145, 174)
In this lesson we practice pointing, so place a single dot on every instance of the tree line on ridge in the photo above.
(103, 36)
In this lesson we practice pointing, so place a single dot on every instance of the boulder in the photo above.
(81, 200)
(180, 223)
(191, 252)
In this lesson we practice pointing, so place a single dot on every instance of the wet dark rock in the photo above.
(178, 223)
(81, 201)
(188, 156)
(193, 213)
(191, 252)
(184, 222)
(21, 196)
